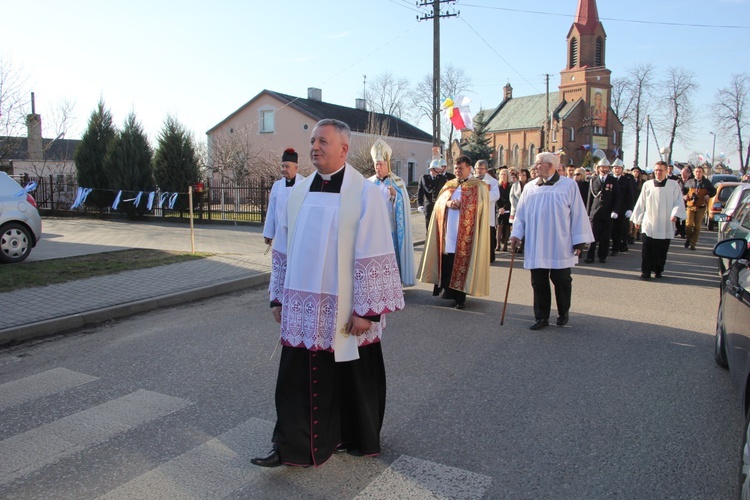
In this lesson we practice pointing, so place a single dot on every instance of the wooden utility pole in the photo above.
(435, 16)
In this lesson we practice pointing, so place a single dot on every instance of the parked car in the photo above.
(732, 341)
(20, 223)
(717, 178)
(738, 226)
(739, 197)
(716, 204)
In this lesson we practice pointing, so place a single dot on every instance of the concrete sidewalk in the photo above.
(240, 262)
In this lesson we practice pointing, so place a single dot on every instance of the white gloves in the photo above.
(628, 213)
(420, 210)
(614, 215)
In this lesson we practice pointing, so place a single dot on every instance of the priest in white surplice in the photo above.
(396, 197)
(658, 208)
(551, 216)
(280, 192)
(340, 279)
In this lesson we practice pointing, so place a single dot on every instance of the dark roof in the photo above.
(520, 113)
(16, 148)
(357, 119)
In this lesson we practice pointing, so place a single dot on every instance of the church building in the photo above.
(575, 120)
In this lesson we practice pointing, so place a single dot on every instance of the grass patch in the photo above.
(48, 272)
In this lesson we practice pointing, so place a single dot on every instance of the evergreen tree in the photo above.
(90, 155)
(128, 165)
(588, 162)
(478, 145)
(176, 164)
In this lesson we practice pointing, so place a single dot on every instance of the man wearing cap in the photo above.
(551, 216)
(483, 175)
(456, 255)
(602, 205)
(430, 185)
(279, 193)
(337, 280)
(657, 210)
(396, 197)
(621, 225)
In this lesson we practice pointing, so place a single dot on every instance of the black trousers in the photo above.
(602, 229)
(620, 229)
(428, 215)
(654, 255)
(563, 281)
(493, 242)
(321, 404)
(446, 269)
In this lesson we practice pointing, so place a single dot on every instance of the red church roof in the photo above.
(587, 17)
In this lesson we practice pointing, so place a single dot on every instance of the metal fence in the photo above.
(222, 200)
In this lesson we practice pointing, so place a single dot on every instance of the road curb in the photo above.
(66, 323)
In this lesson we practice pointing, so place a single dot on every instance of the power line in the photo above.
(500, 56)
(637, 21)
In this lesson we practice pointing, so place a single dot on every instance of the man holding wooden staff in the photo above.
(551, 216)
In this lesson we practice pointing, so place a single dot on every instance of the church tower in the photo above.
(585, 76)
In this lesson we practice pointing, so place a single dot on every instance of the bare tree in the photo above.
(234, 156)
(676, 95)
(57, 152)
(388, 95)
(14, 99)
(729, 113)
(622, 99)
(454, 81)
(641, 79)
(359, 152)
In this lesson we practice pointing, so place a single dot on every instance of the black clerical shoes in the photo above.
(539, 324)
(460, 306)
(435, 291)
(270, 460)
(562, 320)
(589, 261)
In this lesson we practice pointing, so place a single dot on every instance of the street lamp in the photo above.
(713, 152)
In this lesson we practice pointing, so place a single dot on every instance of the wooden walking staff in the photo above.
(507, 288)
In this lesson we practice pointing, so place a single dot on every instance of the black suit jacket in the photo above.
(429, 188)
(603, 198)
(626, 185)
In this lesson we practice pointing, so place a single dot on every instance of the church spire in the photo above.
(587, 17)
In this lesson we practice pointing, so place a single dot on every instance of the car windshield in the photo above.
(726, 192)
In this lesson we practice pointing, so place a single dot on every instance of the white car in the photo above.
(20, 223)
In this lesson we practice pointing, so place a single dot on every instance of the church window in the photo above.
(573, 53)
(516, 159)
(554, 135)
(532, 154)
(614, 137)
(599, 51)
(500, 156)
(572, 136)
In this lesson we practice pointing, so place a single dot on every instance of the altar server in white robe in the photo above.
(279, 193)
(394, 192)
(551, 216)
(335, 279)
(658, 208)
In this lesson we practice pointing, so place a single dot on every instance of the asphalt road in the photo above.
(625, 402)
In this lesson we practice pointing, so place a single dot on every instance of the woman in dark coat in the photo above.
(503, 209)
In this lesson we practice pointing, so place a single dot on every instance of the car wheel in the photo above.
(15, 243)
(720, 351)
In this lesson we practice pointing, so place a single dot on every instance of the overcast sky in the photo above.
(200, 61)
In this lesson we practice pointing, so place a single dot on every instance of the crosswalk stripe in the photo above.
(40, 385)
(214, 469)
(34, 449)
(410, 477)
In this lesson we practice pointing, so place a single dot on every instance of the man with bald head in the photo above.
(551, 216)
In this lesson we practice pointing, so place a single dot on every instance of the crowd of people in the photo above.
(342, 251)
